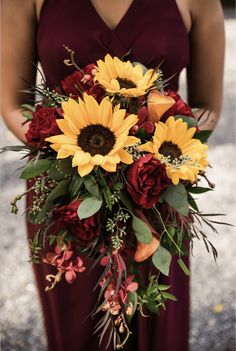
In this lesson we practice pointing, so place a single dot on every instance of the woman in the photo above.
(179, 33)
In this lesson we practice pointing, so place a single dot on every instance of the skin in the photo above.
(203, 20)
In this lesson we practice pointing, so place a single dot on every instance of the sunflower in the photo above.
(94, 134)
(123, 78)
(173, 145)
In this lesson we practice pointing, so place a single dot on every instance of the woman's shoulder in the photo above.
(204, 8)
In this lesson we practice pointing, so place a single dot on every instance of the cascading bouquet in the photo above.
(115, 163)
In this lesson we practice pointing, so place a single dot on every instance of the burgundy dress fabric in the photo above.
(154, 32)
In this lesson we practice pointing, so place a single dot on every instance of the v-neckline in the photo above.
(126, 15)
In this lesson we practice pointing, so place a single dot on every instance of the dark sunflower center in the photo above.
(96, 139)
(168, 149)
(126, 83)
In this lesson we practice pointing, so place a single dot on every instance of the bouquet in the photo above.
(116, 160)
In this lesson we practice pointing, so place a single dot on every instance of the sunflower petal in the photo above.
(83, 170)
(125, 157)
(109, 167)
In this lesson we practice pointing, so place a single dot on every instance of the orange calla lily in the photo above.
(144, 251)
(157, 105)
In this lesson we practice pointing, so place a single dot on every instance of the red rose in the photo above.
(84, 230)
(146, 180)
(43, 125)
(72, 85)
(79, 81)
(179, 108)
(97, 92)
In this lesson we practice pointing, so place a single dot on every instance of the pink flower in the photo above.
(73, 268)
(66, 262)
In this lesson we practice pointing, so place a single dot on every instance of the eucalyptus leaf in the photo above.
(176, 196)
(141, 230)
(91, 185)
(161, 260)
(89, 207)
(34, 168)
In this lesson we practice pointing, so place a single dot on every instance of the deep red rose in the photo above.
(179, 108)
(97, 92)
(43, 125)
(72, 85)
(146, 180)
(79, 81)
(84, 230)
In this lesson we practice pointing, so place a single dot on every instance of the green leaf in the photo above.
(192, 203)
(28, 107)
(60, 190)
(191, 122)
(152, 306)
(34, 168)
(89, 207)
(52, 238)
(126, 201)
(203, 135)
(107, 196)
(198, 190)
(141, 230)
(183, 266)
(64, 166)
(101, 179)
(161, 260)
(75, 185)
(27, 115)
(163, 287)
(176, 197)
(44, 212)
(91, 185)
(169, 296)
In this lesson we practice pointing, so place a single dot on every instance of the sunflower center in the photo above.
(170, 150)
(96, 139)
(126, 83)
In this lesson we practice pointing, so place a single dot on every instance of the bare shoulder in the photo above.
(27, 7)
(205, 9)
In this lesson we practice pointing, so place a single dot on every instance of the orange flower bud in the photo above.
(144, 251)
(157, 105)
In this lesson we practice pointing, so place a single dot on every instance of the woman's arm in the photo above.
(205, 73)
(18, 54)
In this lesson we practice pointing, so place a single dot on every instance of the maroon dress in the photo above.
(154, 32)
